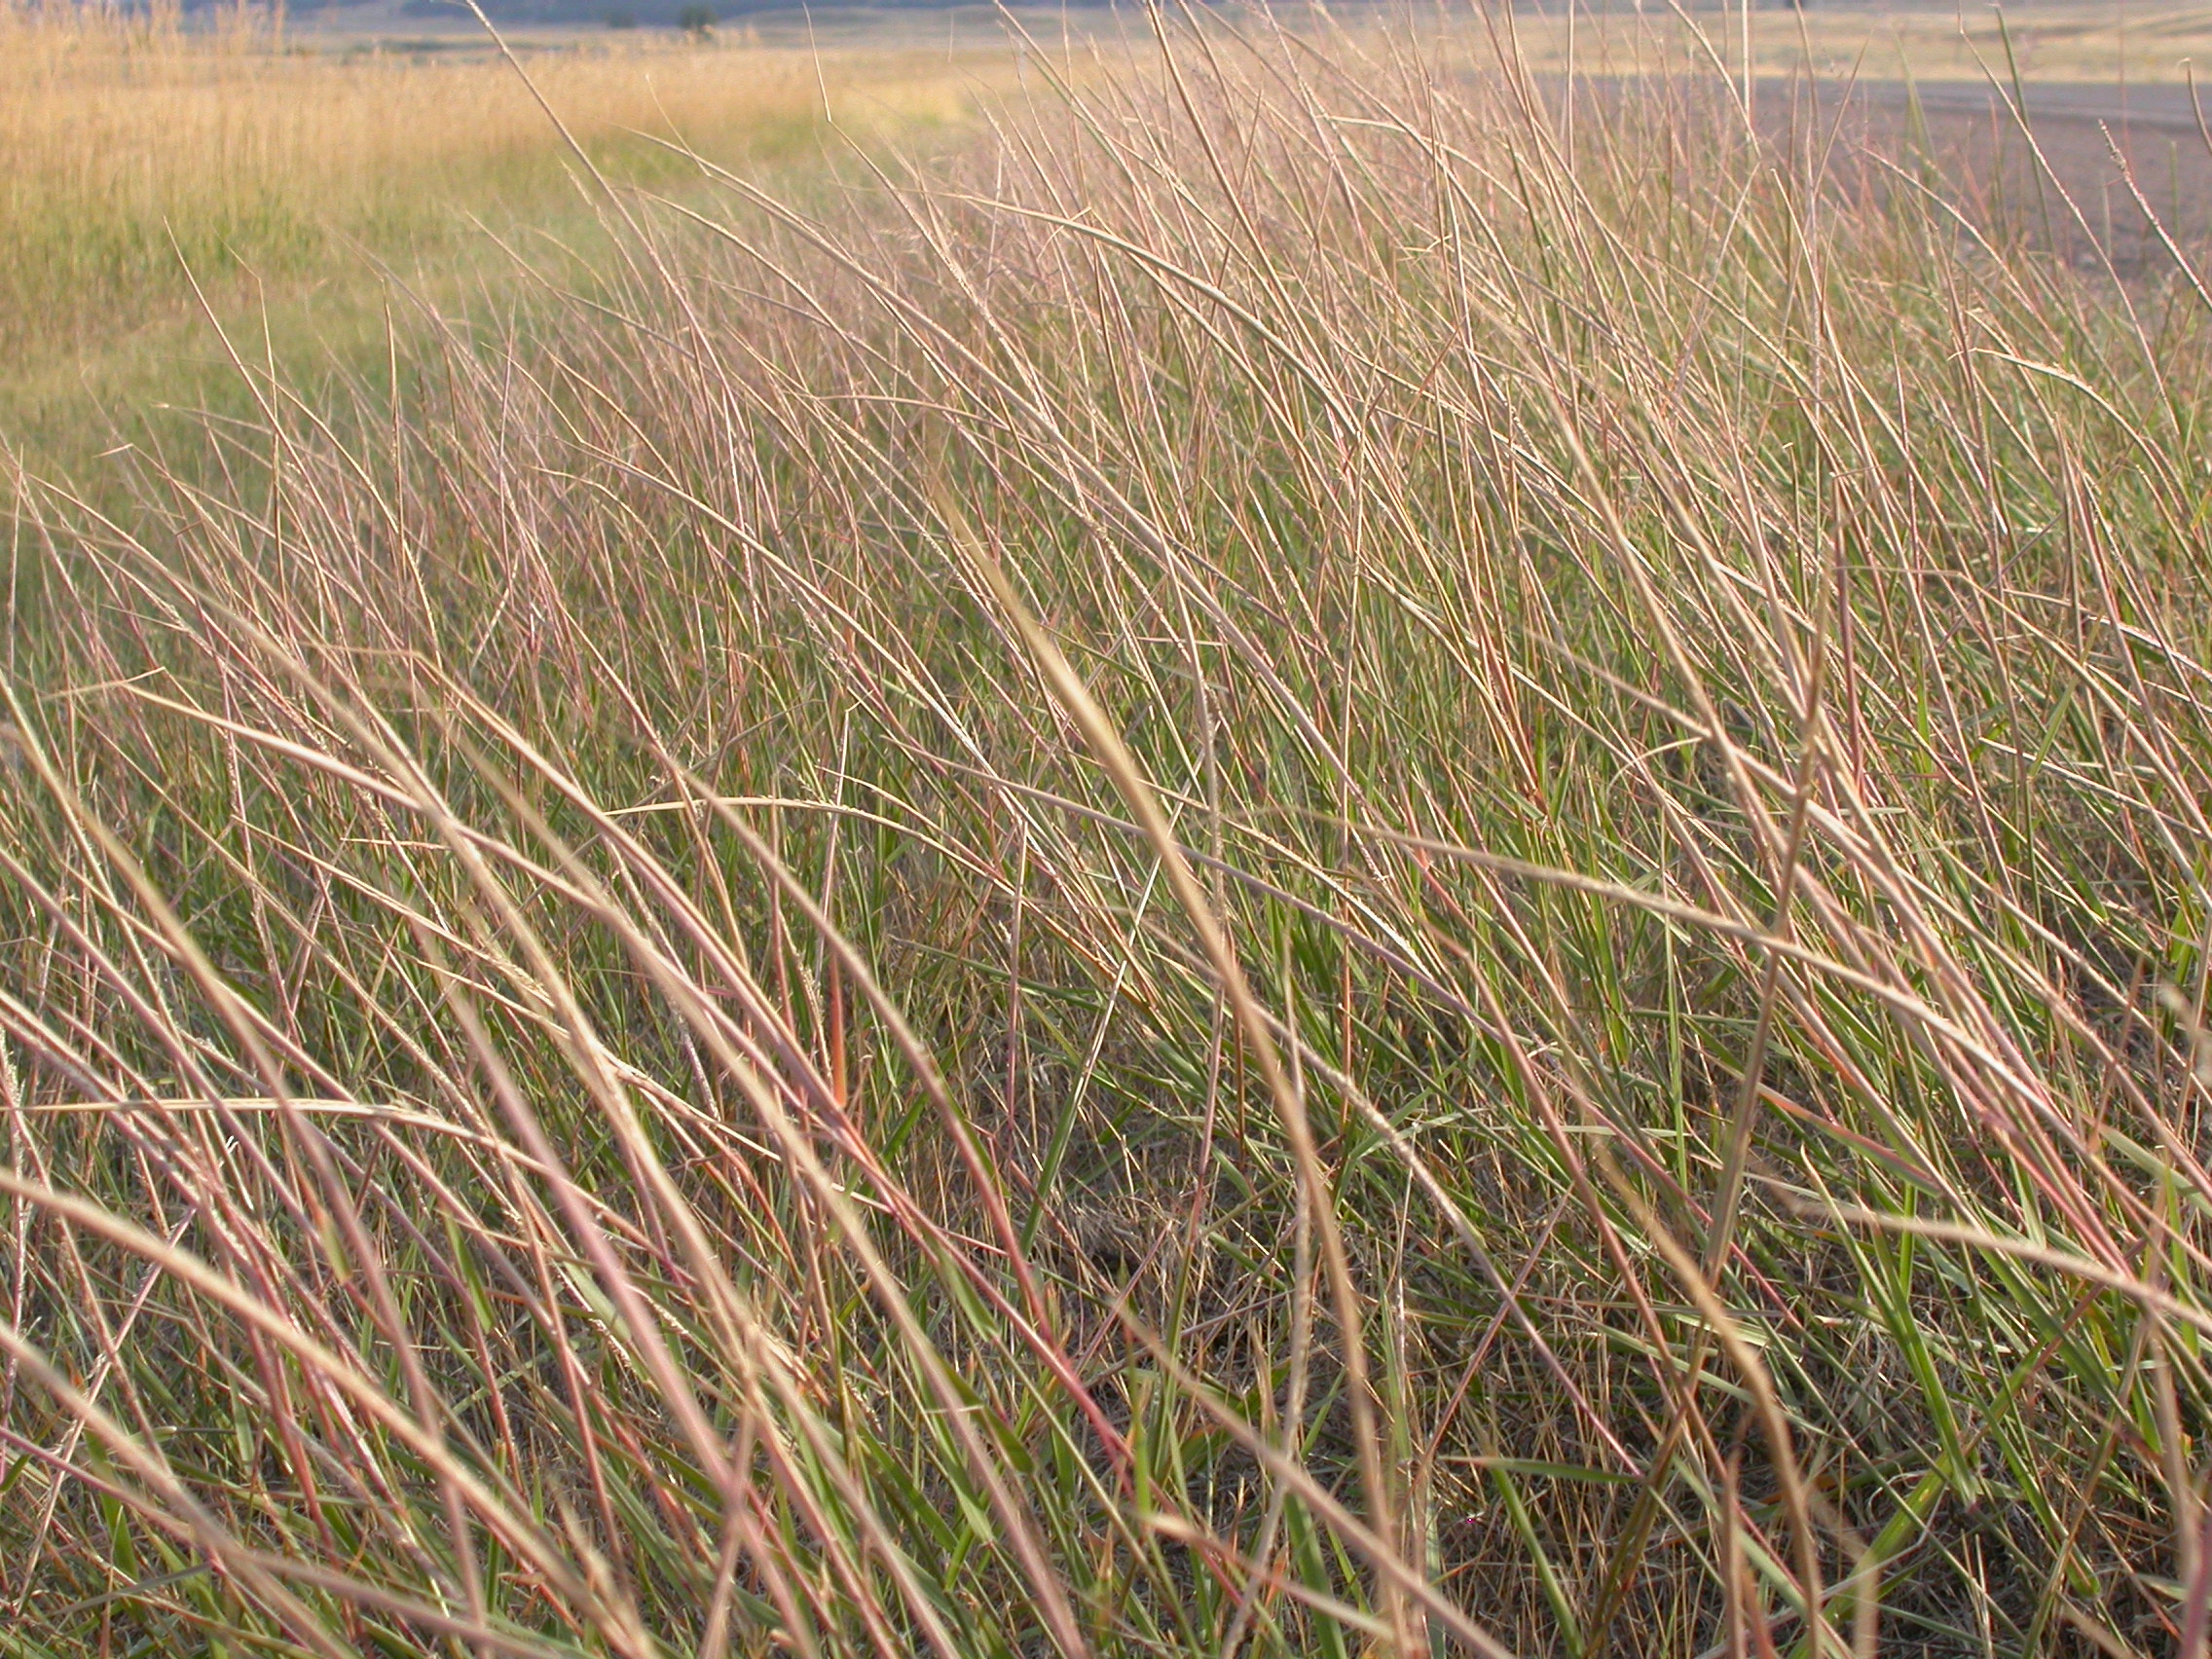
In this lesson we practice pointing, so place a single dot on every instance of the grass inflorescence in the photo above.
(1272, 871)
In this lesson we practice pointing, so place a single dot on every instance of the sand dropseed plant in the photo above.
(1275, 872)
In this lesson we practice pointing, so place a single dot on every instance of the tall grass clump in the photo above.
(1274, 873)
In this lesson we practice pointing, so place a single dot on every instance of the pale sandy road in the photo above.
(1964, 139)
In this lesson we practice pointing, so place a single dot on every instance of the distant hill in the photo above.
(649, 11)
(642, 13)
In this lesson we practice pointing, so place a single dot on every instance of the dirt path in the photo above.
(1964, 138)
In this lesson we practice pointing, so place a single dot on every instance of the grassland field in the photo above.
(162, 165)
(307, 188)
(1165, 833)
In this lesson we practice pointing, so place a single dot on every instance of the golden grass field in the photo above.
(142, 158)
(1250, 847)
(139, 151)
